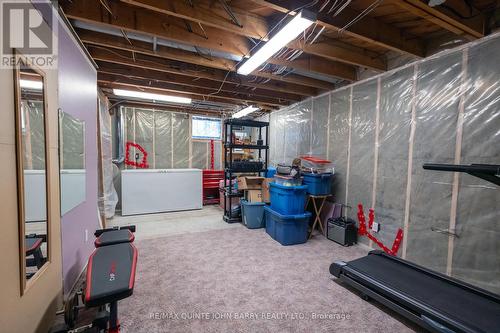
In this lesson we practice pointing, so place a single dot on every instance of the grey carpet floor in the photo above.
(241, 280)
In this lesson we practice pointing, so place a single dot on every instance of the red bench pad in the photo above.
(114, 237)
(110, 274)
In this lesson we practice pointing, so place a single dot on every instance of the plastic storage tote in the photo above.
(288, 200)
(287, 229)
(271, 171)
(318, 183)
(253, 214)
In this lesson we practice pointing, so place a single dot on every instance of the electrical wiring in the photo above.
(360, 16)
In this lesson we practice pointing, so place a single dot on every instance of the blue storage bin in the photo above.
(271, 171)
(287, 229)
(318, 183)
(288, 200)
(253, 214)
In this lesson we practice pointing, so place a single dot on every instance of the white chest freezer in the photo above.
(160, 190)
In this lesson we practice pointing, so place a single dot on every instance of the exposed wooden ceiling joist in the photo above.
(134, 19)
(369, 29)
(139, 20)
(209, 13)
(104, 40)
(471, 29)
(252, 26)
(142, 73)
(192, 92)
(105, 84)
(190, 70)
(158, 106)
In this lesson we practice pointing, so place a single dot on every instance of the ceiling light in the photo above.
(28, 84)
(246, 111)
(289, 32)
(149, 96)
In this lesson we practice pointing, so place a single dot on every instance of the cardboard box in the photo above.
(250, 183)
(266, 197)
(253, 195)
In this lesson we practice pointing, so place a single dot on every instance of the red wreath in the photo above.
(128, 161)
(362, 231)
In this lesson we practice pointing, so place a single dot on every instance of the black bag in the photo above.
(342, 230)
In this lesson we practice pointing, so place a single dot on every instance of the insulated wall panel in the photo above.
(339, 140)
(163, 140)
(144, 128)
(319, 125)
(476, 253)
(437, 104)
(362, 149)
(394, 132)
(181, 134)
(200, 155)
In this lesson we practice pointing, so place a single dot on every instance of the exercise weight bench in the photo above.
(110, 277)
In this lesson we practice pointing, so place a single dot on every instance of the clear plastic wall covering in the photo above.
(109, 197)
(34, 129)
(361, 165)
(379, 132)
(72, 144)
(166, 138)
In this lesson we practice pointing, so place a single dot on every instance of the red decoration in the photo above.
(211, 154)
(362, 231)
(144, 163)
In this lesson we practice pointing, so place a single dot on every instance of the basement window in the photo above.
(206, 128)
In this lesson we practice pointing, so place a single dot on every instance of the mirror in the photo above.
(32, 164)
(71, 161)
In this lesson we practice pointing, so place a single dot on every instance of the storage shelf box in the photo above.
(253, 214)
(287, 229)
(318, 183)
(288, 199)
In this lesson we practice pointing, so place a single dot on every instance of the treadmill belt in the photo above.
(460, 304)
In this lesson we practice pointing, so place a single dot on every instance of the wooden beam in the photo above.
(253, 27)
(107, 41)
(135, 72)
(104, 84)
(169, 66)
(209, 13)
(200, 93)
(332, 51)
(471, 30)
(369, 29)
(318, 65)
(158, 106)
(139, 20)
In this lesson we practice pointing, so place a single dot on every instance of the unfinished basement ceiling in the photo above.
(192, 48)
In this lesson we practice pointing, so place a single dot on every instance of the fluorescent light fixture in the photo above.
(246, 111)
(289, 32)
(28, 84)
(434, 3)
(149, 96)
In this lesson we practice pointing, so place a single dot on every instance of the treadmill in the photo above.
(434, 301)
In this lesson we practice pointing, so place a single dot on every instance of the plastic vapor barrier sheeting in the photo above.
(379, 132)
(166, 138)
(34, 133)
(109, 197)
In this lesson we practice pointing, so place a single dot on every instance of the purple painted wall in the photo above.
(78, 97)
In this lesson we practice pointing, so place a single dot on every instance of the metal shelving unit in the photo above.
(230, 169)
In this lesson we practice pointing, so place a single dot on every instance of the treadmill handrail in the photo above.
(488, 172)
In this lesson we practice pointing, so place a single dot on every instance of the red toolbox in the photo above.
(211, 179)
